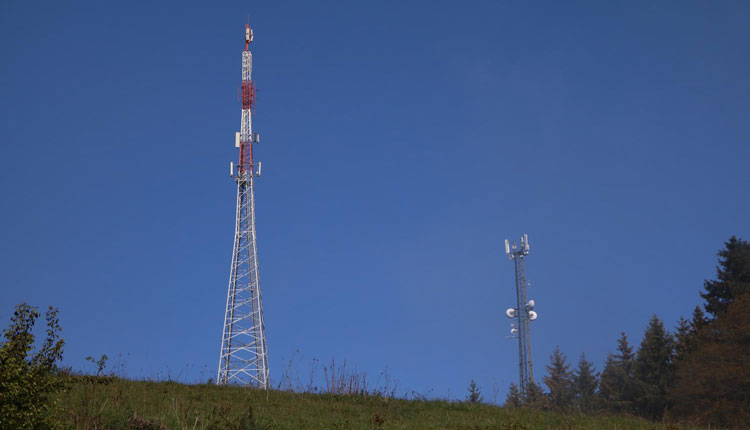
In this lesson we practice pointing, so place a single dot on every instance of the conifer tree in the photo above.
(653, 370)
(712, 384)
(732, 277)
(609, 391)
(699, 319)
(687, 335)
(474, 395)
(711, 380)
(584, 385)
(683, 339)
(559, 381)
(616, 383)
(513, 399)
(535, 397)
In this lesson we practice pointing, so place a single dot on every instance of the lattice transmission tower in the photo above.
(243, 359)
(522, 314)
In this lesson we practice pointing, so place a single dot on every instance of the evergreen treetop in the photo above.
(699, 319)
(732, 277)
(624, 354)
(616, 384)
(535, 397)
(584, 385)
(653, 369)
(684, 335)
(513, 399)
(559, 381)
(474, 395)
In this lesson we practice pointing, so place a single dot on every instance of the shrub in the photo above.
(27, 379)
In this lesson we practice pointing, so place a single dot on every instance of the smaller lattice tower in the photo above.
(522, 314)
(243, 359)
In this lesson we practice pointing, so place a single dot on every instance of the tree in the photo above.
(584, 385)
(513, 399)
(699, 319)
(609, 395)
(687, 335)
(616, 383)
(535, 397)
(26, 378)
(653, 370)
(732, 277)
(712, 384)
(474, 395)
(559, 381)
(711, 380)
(684, 336)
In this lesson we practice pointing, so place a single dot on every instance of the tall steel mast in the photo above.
(522, 313)
(243, 359)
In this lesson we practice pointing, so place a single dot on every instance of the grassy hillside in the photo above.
(101, 403)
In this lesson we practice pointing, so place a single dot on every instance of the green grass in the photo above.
(100, 403)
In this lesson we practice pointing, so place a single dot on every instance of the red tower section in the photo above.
(247, 98)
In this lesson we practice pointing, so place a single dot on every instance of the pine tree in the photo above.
(584, 385)
(616, 383)
(559, 381)
(699, 319)
(684, 335)
(474, 395)
(653, 370)
(711, 380)
(732, 277)
(609, 390)
(535, 397)
(513, 399)
(687, 335)
(712, 384)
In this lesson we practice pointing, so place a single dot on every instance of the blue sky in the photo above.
(402, 142)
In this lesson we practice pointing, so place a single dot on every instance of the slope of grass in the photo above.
(111, 403)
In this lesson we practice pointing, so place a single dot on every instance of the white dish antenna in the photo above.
(510, 313)
(533, 315)
(531, 304)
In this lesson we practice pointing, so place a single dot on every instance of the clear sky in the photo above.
(402, 142)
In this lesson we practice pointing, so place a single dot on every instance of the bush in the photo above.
(27, 379)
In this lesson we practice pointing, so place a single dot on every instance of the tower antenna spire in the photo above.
(243, 359)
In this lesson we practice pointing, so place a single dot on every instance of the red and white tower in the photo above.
(244, 357)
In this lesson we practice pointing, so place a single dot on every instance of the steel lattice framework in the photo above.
(244, 357)
(522, 314)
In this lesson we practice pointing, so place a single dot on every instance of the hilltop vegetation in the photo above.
(109, 403)
(695, 376)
